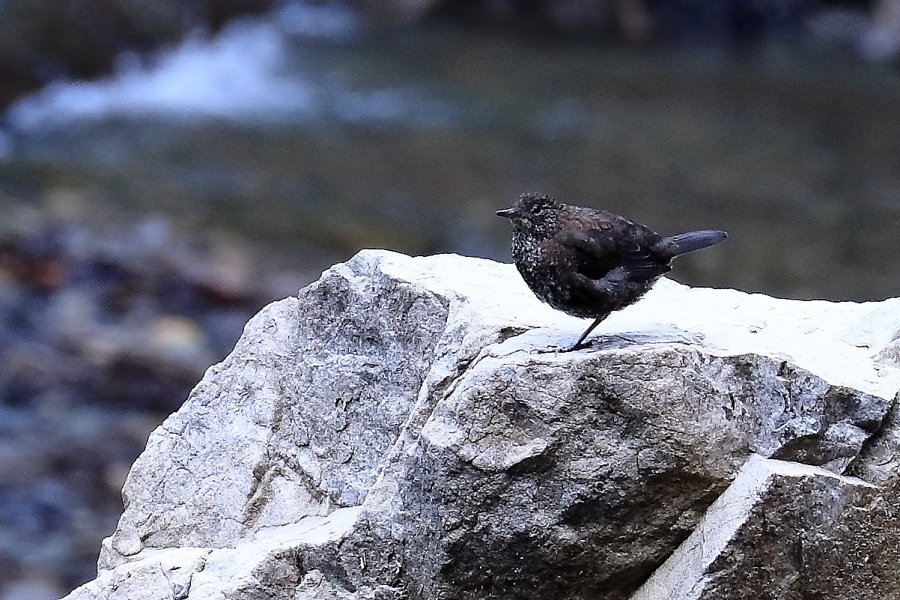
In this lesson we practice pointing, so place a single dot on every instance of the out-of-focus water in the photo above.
(313, 146)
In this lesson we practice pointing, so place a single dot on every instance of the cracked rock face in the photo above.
(400, 430)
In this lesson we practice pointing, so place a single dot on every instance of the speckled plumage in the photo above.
(588, 262)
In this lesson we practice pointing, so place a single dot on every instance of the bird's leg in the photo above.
(578, 345)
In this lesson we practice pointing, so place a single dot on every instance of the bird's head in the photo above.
(535, 214)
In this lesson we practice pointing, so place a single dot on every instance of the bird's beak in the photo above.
(507, 213)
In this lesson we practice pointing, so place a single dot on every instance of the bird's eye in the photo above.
(536, 209)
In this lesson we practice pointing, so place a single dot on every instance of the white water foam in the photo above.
(234, 75)
(239, 74)
(242, 74)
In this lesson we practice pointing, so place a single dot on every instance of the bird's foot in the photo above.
(548, 350)
(579, 346)
(600, 340)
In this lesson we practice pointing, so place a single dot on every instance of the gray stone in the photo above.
(786, 530)
(404, 429)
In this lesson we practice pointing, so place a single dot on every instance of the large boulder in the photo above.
(406, 428)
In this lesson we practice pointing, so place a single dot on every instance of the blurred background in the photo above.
(167, 167)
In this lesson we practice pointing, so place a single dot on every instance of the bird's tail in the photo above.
(693, 240)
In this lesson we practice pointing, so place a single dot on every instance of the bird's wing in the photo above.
(603, 251)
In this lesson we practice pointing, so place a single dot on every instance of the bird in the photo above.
(588, 262)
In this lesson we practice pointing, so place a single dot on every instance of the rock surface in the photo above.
(400, 430)
(786, 530)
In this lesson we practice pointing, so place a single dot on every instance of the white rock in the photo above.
(399, 430)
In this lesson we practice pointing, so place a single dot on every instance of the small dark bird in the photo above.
(588, 262)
